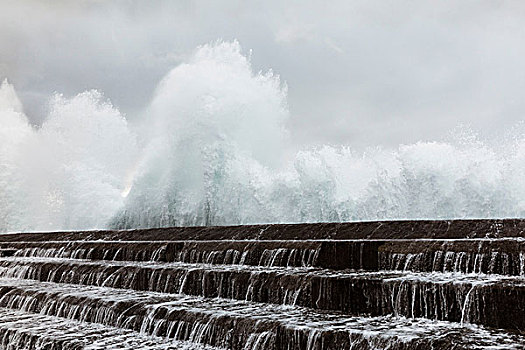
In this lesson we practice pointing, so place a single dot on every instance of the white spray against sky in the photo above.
(68, 173)
(211, 148)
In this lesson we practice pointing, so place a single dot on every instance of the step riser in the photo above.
(505, 258)
(500, 263)
(316, 341)
(129, 315)
(340, 255)
(22, 330)
(13, 339)
(256, 256)
(481, 304)
(230, 332)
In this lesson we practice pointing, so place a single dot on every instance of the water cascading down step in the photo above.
(374, 285)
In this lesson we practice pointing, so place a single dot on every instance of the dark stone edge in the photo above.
(400, 229)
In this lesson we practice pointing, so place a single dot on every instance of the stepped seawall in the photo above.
(371, 285)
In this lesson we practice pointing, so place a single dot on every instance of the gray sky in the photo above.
(362, 73)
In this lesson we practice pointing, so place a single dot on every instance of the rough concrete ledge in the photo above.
(403, 229)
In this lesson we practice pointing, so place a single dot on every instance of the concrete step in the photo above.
(491, 300)
(227, 323)
(492, 256)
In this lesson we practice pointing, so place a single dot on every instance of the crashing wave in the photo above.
(210, 149)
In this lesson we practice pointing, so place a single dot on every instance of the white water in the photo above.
(210, 149)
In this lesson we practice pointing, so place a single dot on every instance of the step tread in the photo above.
(393, 229)
(287, 316)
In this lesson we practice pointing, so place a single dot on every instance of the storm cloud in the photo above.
(362, 73)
